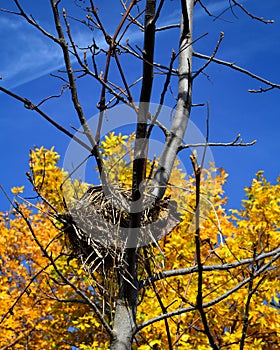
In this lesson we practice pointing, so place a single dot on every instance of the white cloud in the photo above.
(27, 53)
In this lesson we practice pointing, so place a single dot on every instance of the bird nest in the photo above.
(99, 226)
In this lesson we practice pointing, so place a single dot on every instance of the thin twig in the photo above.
(31, 106)
(169, 26)
(237, 68)
(261, 19)
(211, 58)
(237, 142)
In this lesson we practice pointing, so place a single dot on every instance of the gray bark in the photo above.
(183, 107)
(124, 326)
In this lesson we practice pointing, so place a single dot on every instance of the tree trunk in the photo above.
(184, 102)
(125, 317)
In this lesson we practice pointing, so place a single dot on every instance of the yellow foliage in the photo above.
(17, 190)
(40, 311)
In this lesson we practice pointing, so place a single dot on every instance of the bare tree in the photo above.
(85, 63)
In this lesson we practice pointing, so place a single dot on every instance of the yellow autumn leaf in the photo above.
(17, 190)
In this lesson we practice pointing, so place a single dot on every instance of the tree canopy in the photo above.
(149, 256)
(47, 295)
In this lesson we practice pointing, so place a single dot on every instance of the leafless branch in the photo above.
(162, 97)
(251, 292)
(184, 102)
(32, 21)
(237, 142)
(72, 82)
(169, 26)
(134, 53)
(261, 19)
(134, 20)
(222, 267)
(239, 69)
(211, 58)
(159, 299)
(62, 90)
(208, 304)
(29, 105)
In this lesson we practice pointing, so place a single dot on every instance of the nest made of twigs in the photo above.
(98, 226)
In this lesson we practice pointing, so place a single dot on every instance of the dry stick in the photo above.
(237, 68)
(199, 298)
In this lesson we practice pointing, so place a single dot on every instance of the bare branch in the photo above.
(32, 21)
(264, 268)
(237, 142)
(162, 97)
(222, 267)
(239, 69)
(251, 291)
(211, 58)
(62, 90)
(133, 52)
(261, 19)
(73, 88)
(169, 26)
(29, 105)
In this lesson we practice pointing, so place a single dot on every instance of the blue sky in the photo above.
(27, 59)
